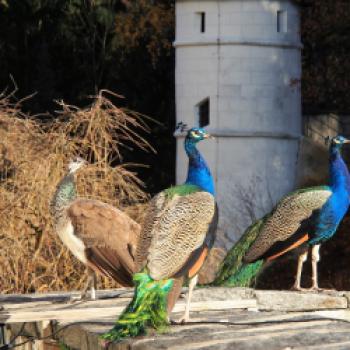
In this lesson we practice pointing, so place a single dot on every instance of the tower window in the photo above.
(201, 20)
(282, 21)
(203, 111)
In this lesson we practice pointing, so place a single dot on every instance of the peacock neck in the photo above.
(338, 171)
(198, 171)
(65, 193)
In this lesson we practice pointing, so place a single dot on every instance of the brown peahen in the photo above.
(101, 236)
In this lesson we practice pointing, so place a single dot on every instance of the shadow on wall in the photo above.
(244, 206)
(312, 168)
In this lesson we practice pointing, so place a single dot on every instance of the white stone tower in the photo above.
(238, 71)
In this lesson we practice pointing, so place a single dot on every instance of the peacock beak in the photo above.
(346, 141)
(208, 136)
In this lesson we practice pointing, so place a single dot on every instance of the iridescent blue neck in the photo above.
(198, 171)
(338, 171)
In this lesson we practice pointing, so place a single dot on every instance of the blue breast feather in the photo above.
(198, 170)
(333, 211)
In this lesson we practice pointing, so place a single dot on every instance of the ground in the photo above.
(222, 318)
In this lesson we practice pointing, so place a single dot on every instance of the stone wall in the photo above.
(318, 127)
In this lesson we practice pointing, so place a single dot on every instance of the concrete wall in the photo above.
(251, 73)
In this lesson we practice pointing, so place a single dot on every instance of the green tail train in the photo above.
(233, 272)
(147, 309)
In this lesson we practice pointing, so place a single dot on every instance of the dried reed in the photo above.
(33, 158)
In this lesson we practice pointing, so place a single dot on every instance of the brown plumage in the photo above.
(99, 235)
(109, 237)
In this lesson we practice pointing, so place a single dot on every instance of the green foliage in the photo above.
(148, 23)
(71, 49)
(147, 309)
(232, 268)
(181, 190)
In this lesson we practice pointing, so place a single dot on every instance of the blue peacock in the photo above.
(305, 218)
(177, 235)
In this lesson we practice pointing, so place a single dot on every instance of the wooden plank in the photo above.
(274, 327)
(208, 298)
(62, 296)
(45, 305)
(298, 301)
(219, 336)
(93, 313)
(250, 331)
(214, 305)
(343, 315)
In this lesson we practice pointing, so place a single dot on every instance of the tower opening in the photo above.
(282, 21)
(203, 112)
(201, 17)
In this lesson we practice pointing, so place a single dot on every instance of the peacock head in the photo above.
(337, 142)
(76, 164)
(195, 135)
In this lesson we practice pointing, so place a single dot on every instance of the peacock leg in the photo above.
(93, 285)
(315, 258)
(90, 283)
(193, 282)
(302, 258)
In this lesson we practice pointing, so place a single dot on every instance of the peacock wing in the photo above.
(109, 236)
(153, 214)
(179, 229)
(286, 219)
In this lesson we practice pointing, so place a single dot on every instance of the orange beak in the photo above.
(208, 136)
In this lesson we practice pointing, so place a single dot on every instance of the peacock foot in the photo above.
(319, 289)
(82, 297)
(183, 320)
(299, 289)
(76, 298)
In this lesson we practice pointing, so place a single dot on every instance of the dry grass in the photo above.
(33, 158)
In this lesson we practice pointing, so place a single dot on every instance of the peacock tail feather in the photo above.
(233, 272)
(147, 309)
(246, 275)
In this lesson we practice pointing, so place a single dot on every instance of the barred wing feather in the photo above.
(287, 218)
(177, 231)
